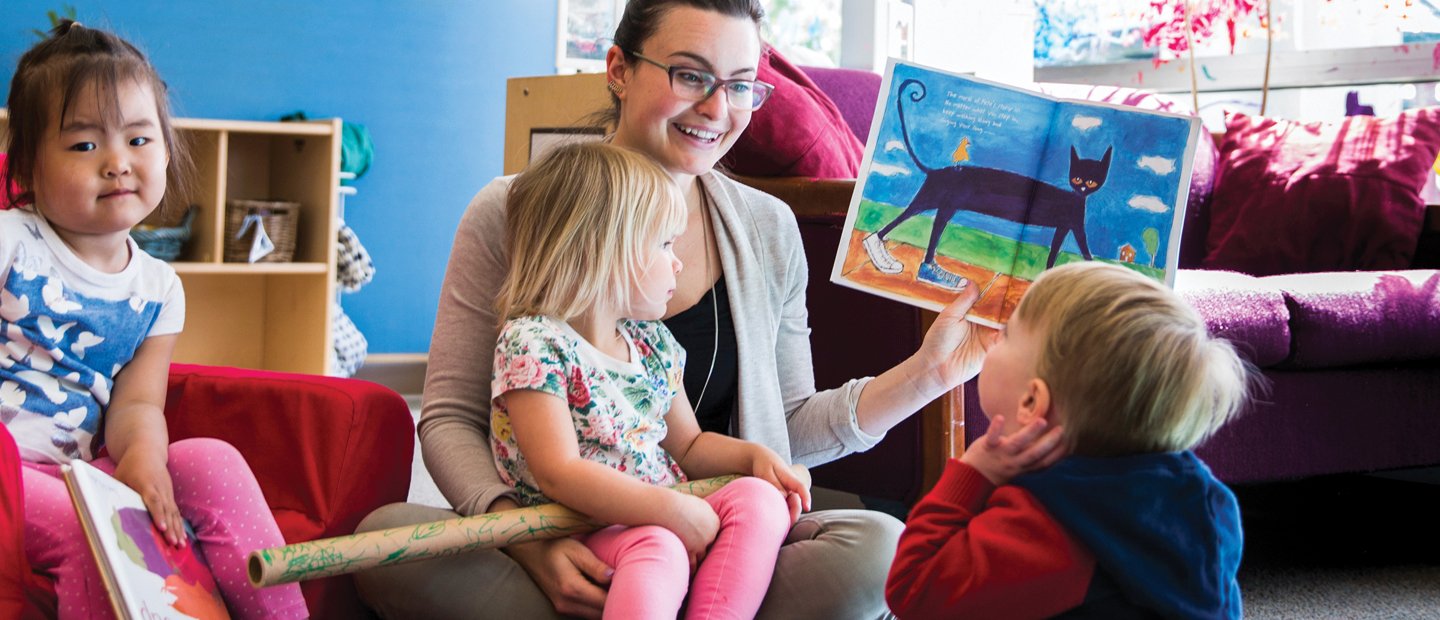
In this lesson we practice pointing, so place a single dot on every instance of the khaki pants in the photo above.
(832, 566)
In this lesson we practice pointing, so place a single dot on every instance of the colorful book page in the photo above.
(971, 183)
(147, 578)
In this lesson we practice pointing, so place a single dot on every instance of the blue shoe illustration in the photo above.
(932, 273)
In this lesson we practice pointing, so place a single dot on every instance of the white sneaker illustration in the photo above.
(879, 256)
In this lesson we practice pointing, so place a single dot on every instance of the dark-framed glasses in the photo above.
(698, 85)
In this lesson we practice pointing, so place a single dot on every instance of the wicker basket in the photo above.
(164, 242)
(279, 218)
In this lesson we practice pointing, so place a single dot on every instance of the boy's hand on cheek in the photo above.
(1000, 458)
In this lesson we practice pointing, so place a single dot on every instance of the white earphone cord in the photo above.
(714, 303)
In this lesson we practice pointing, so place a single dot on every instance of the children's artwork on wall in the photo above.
(971, 183)
(586, 29)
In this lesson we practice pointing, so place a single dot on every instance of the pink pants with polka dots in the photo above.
(216, 493)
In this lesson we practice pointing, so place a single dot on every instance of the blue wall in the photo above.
(427, 77)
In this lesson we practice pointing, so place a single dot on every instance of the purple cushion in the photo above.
(1247, 311)
(1342, 319)
(798, 132)
(1301, 197)
(854, 92)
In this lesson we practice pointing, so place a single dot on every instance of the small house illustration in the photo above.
(1127, 253)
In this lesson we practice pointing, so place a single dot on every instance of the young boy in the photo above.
(1130, 523)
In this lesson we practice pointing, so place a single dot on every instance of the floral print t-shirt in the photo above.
(618, 407)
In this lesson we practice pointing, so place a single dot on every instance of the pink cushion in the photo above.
(798, 132)
(1304, 197)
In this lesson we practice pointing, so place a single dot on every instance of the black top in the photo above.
(695, 329)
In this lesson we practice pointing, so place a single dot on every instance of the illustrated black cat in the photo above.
(998, 193)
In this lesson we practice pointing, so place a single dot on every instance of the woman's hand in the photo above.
(954, 348)
(145, 472)
(793, 482)
(694, 521)
(567, 572)
(1000, 458)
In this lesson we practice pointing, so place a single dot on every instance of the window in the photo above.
(806, 31)
(1330, 57)
(1090, 32)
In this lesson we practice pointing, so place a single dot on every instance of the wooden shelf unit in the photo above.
(270, 316)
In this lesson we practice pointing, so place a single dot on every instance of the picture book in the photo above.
(147, 577)
(972, 183)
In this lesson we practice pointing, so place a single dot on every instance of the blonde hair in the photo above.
(577, 222)
(1130, 366)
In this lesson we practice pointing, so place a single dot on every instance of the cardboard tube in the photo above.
(347, 554)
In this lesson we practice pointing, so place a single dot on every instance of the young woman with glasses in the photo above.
(682, 75)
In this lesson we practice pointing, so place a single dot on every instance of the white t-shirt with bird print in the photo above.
(66, 330)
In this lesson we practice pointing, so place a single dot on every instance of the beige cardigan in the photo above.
(765, 271)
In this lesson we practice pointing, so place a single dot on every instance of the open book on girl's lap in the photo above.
(147, 577)
(970, 183)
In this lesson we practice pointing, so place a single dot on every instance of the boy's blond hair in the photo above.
(577, 222)
(1130, 366)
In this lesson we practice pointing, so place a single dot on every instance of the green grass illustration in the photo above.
(976, 247)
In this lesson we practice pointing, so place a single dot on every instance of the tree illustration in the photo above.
(1151, 237)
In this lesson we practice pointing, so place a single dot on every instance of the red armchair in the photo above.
(325, 450)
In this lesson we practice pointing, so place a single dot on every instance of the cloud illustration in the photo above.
(888, 170)
(1085, 123)
(1148, 203)
(1157, 164)
(894, 145)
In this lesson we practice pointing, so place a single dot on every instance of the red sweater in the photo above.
(974, 550)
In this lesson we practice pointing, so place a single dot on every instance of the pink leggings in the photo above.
(216, 494)
(652, 569)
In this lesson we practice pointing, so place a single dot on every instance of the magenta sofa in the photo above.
(1352, 359)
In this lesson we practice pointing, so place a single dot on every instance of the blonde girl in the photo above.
(88, 323)
(589, 405)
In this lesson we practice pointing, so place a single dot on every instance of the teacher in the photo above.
(682, 75)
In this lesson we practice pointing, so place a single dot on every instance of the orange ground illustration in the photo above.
(1002, 296)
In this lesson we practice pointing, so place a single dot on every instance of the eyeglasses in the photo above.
(698, 85)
